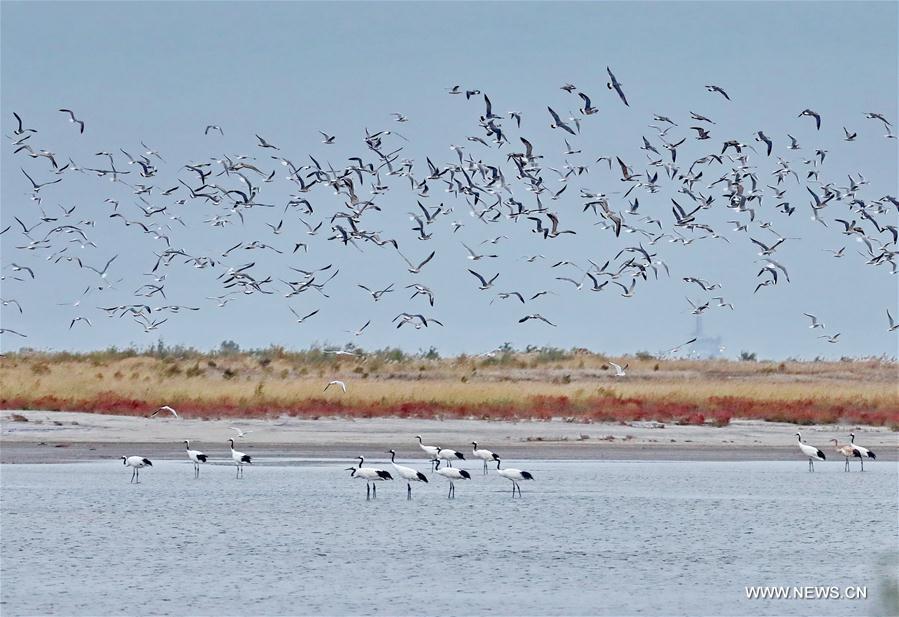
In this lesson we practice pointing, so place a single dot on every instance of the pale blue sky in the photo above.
(161, 72)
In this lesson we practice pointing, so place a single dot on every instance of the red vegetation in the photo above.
(714, 410)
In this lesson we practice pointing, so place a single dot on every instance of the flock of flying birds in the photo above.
(495, 179)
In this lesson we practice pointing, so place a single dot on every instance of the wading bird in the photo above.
(136, 463)
(451, 474)
(407, 473)
(863, 452)
(484, 455)
(239, 459)
(431, 451)
(196, 456)
(515, 476)
(846, 451)
(370, 475)
(813, 453)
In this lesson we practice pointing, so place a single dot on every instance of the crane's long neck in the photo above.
(852, 439)
(187, 445)
(392, 457)
(420, 441)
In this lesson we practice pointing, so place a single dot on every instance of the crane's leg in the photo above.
(408, 490)
(374, 491)
(862, 461)
(485, 467)
(137, 474)
(450, 492)
(367, 491)
(133, 471)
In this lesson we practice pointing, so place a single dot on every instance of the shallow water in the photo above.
(587, 538)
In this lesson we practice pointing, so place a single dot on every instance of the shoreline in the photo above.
(54, 437)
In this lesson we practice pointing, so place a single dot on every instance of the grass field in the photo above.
(539, 384)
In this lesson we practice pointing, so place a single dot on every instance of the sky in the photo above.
(161, 72)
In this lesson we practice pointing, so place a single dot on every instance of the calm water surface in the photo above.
(291, 538)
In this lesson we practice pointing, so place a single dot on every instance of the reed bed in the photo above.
(575, 386)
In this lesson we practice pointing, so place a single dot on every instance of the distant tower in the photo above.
(705, 346)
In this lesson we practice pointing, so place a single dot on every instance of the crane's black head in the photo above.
(124, 459)
(232, 442)
(361, 460)
(391, 452)
(475, 444)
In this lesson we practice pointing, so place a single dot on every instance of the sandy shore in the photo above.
(47, 437)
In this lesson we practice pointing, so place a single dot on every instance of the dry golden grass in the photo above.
(515, 383)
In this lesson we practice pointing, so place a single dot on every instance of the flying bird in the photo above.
(614, 83)
(337, 383)
(72, 118)
(166, 409)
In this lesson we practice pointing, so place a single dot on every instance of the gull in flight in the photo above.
(165, 408)
(485, 284)
(336, 382)
(413, 269)
(72, 118)
(718, 89)
(815, 322)
(813, 114)
(305, 317)
(239, 432)
(614, 83)
(359, 331)
(830, 339)
(557, 122)
(619, 370)
(893, 325)
(536, 316)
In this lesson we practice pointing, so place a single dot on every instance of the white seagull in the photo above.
(167, 409)
(815, 322)
(336, 382)
(619, 370)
